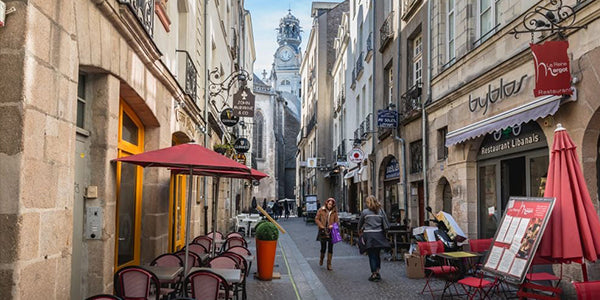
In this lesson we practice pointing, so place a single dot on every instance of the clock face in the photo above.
(286, 54)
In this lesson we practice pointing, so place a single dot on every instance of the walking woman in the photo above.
(326, 216)
(373, 223)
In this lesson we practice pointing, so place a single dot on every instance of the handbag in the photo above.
(323, 235)
(336, 237)
(362, 245)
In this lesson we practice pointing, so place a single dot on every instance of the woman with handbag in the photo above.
(326, 216)
(373, 223)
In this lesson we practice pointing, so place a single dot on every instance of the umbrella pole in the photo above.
(188, 217)
(214, 214)
(584, 271)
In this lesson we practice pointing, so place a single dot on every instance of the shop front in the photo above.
(390, 179)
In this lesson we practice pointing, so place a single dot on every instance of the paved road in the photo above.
(302, 278)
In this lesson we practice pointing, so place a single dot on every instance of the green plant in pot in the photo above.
(222, 148)
(266, 246)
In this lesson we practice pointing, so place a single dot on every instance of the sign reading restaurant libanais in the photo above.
(517, 138)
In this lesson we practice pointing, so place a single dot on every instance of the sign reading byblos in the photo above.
(552, 69)
(228, 118)
(356, 155)
(241, 145)
(243, 103)
(387, 118)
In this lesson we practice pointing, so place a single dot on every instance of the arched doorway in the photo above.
(389, 177)
(445, 195)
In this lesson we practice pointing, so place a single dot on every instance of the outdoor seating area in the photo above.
(221, 275)
(246, 223)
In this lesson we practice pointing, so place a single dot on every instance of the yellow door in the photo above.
(129, 189)
(177, 212)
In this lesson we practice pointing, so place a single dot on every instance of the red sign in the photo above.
(552, 69)
(517, 238)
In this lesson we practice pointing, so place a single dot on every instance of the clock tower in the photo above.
(286, 67)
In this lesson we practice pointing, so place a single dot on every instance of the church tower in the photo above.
(286, 66)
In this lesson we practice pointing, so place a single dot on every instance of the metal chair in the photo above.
(532, 287)
(234, 234)
(215, 235)
(134, 282)
(588, 290)
(243, 251)
(442, 270)
(197, 248)
(169, 260)
(474, 286)
(204, 241)
(193, 259)
(243, 264)
(205, 284)
(232, 242)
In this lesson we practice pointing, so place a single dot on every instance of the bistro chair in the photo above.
(197, 249)
(476, 285)
(533, 288)
(215, 235)
(193, 259)
(204, 284)
(588, 290)
(134, 282)
(243, 251)
(234, 234)
(104, 297)
(169, 260)
(442, 270)
(244, 270)
(204, 241)
(234, 241)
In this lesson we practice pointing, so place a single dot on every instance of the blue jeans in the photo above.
(374, 259)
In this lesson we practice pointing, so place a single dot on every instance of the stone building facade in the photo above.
(90, 81)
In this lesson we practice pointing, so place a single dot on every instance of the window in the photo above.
(488, 15)
(285, 82)
(81, 101)
(259, 135)
(416, 157)
(450, 50)
(442, 150)
(417, 59)
(389, 83)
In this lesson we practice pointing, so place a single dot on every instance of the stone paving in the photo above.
(302, 278)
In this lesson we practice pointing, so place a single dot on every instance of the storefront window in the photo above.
(488, 195)
(538, 172)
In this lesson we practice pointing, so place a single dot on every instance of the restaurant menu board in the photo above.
(311, 203)
(518, 236)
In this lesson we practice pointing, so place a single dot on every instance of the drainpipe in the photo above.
(204, 181)
(374, 157)
(396, 136)
(424, 114)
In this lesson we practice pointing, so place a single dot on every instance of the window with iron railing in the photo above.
(411, 100)
(144, 11)
(370, 42)
(386, 32)
(416, 156)
(191, 76)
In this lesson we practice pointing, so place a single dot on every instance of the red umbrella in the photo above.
(189, 157)
(254, 174)
(573, 231)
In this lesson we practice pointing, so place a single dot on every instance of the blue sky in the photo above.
(265, 19)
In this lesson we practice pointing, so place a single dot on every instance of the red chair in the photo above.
(193, 259)
(442, 270)
(134, 282)
(243, 251)
(480, 245)
(234, 241)
(197, 249)
(532, 287)
(205, 284)
(204, 241)
(215, 235)
(474, 286)
(236, 234)
(588, 290)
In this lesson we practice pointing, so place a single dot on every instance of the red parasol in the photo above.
(190, 158)
(254, 174)
(573, 231)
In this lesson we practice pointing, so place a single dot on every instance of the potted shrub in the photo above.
(266, 246)
(222, 148)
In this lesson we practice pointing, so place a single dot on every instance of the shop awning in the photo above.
(531, 111)
(361, 175)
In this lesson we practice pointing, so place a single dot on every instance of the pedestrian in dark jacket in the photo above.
(326, 216)
(373, 223)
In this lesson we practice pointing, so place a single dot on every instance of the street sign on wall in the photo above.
(243, 103)
(387, 118)
(356, 155)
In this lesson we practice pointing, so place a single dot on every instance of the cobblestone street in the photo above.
(298, 262)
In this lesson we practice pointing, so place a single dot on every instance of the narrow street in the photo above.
(302, 278)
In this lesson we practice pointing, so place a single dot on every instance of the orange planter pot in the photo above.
(265, 258)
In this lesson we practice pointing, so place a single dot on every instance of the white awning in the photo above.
(361, 175)
(531, 111)
(350, 174)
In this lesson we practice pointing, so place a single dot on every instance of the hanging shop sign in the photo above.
(518, 237)
(392, 170)
(241, 145)
(243, 103)
(311, 162)
(356, 155)
(524, 137)
(241, 158)
(552, 69)
(387, 118)
(228, 119)
(496, 93)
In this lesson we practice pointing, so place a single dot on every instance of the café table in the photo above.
(232, 276)
(164, 273)
(395, 234)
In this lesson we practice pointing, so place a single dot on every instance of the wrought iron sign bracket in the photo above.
(221, 87)
(557, 18)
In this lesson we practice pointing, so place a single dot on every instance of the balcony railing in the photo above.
(370, 42)
(409, 8)
(144, 11)
(191, 76)
(359, 66)
(386, 32)
(411, 100)
(341, 98)
(353, 85)
(311, 123)
(366, 126)
(340, 152)
(357, 139)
